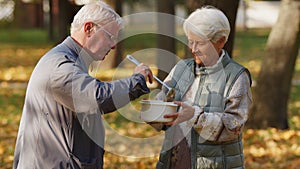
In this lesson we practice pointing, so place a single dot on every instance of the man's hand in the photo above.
(185, 113)
(145, 71)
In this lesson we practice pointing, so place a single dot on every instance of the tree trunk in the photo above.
(165, 37)
(62, 21)
(51, 21)
(273, 84)
(119, 48)
(229, 9)
(67, 10)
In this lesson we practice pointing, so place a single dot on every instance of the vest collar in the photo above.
(222, 62)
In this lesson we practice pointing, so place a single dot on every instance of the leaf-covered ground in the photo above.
(270, 148)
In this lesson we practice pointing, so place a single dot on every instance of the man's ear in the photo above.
(88, 27)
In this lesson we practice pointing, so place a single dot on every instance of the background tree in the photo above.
(23, 19)
(66, 12)
(118, 4)
(114, 60)
(274, 81)
(51, 22)
(165, 38)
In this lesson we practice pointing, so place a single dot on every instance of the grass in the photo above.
(20, 51)
(24, 37)
(249, 48)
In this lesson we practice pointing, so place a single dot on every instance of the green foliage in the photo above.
(253, 40)
(249, 48)
(148, 40)
(27, 37)
(140, 41)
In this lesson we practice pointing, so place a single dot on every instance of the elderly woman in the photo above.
(214, 94)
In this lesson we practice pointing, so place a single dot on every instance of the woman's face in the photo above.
(205, 52)
(102, 40)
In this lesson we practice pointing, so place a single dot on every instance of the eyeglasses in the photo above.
(111, 36)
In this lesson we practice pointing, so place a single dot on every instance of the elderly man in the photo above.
(61, 125)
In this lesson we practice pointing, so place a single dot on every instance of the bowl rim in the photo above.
(158, 102)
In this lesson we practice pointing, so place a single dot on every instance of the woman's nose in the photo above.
(194, 47)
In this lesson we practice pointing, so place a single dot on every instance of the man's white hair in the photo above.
(207, 22)
(97, 12)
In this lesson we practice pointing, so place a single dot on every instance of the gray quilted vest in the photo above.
(214, 86)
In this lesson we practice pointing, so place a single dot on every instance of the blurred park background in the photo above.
(264, 38)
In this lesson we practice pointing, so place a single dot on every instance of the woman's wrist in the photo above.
(198, 110)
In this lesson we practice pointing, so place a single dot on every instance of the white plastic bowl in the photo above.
(154, 110)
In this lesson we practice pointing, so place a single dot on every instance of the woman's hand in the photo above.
(186, 112)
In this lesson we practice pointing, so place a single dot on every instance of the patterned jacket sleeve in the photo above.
(227, 125)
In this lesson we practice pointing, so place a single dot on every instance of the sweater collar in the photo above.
(80, 54)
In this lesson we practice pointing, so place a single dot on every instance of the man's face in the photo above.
(204, 51)
(102, 40)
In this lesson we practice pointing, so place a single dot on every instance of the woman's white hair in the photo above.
(207, 22)
(97, 12)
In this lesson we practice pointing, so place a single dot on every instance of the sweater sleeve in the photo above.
(116, 94)
(78, 91)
